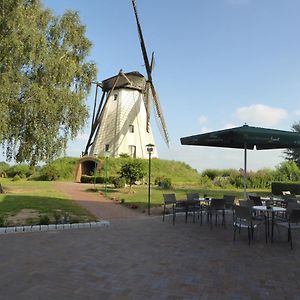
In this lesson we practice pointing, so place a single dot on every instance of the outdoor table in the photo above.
(267, 213)
(275, 200)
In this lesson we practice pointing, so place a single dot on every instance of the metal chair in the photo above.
(256, 200)
(293, 222)
(229, 204)
(170, 201)
(216, 206)
(243, 219)
(193, 205)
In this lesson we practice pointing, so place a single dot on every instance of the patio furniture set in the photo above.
(251, 214)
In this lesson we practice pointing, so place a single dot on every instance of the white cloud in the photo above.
(202, 120)
(261, 115)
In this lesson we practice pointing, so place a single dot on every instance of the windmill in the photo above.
(121, 121)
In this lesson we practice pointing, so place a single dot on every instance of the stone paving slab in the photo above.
(148, 259)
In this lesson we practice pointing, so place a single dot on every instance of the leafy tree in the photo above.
(44, 79)
(3, 168)
(293, 154)
(132, 171)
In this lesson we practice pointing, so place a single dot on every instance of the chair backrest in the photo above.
(217, 203)
(169, 198)
(243, 213)
(256, 199)
(294, 216)
(192, 196)
(229, 201)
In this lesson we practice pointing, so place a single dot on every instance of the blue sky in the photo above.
(219, 63)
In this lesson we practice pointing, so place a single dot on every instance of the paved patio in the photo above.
(144, 258)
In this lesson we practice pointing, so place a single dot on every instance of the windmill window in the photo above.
(106, 147)
(115, 96)
(131, 128)
(132, 151)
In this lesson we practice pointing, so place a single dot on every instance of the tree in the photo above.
(44, 79)
(132, 171)
(293, 154)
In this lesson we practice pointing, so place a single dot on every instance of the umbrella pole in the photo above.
(245, 171)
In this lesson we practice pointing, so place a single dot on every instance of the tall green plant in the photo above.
(132, 171)
(44, 80)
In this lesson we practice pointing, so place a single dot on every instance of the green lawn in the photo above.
(26, 202)
(140, 195)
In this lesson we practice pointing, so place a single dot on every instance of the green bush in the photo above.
(44, 220)
(3, 168)
(165, 183)
(3, 221)
(49, 173)
(278, 187)
(21, 170)
(16, 178)
(119, 182)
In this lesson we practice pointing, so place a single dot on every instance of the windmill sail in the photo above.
(149, 68)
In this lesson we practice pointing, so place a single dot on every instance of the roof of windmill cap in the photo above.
(132, 80)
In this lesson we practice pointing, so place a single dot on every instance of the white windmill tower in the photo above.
(121, 122)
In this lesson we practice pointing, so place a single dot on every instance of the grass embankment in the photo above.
(33, 202)
(139, 198)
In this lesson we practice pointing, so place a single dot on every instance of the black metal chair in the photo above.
(175, 206)
(256, 200)
(193, 205)
(243, 219)
(229, 204)
(216, 207)
(293, 222)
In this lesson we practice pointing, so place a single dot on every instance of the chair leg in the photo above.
(234, 231)
(174, 214)
(164, 213)
(291, 238)
(249, 235)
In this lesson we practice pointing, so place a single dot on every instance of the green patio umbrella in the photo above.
(245, 137)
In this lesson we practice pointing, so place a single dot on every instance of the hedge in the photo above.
(278, 187)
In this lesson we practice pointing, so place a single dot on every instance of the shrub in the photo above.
(22, 170)
(119, 182)
(3, 168)
(132, 171)
(49, 173)
(3, 221)
(16, 178)
(165, 183)
(44, 220)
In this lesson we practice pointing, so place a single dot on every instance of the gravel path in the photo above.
(97, 204)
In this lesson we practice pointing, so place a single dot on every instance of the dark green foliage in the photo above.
(44, 80)
(3, 168)
(119, 182)
(165, 183)
(212, 173)
(3, 220)
(21, 170)
(132, 171)
(44, 220)
(278, 187)
(49, 173)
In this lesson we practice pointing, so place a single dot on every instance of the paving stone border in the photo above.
(51, 227)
